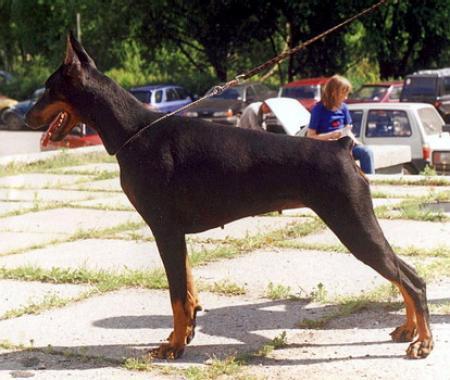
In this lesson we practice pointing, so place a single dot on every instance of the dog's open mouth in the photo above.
(54, 131)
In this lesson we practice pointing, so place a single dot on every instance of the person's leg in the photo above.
(365, 156)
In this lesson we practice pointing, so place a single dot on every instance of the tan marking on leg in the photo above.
(407, 331)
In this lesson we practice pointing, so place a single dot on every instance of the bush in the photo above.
(27, 78)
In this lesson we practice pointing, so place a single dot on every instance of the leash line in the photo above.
(217, 90)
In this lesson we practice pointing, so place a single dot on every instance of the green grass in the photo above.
(49, 302)
(63, 159)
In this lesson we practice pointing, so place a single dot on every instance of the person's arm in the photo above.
(334, 135)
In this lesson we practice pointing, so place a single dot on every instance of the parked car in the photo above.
(307, 91)
(5, 103)
(80, 136)
(5, 77)
(226, 107)
(377, 92)
(14, 117)
(163, 97)
(417, 125)
(429, 86)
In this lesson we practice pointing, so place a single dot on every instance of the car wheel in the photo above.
(13, 122)
(409, 169)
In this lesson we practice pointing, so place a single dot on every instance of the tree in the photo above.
(407, 35)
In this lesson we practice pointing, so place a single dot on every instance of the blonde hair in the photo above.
(333, 91)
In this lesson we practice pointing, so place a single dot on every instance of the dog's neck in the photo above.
(116, 114)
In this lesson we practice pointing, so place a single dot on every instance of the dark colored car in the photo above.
(306, 91)
(429, 86)
(80, 136)
(14, 117)
(5, 77)
(377, 92)
(226, 107)
(162, 97)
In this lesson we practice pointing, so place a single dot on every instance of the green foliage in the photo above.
(27, 78)
(183, 42)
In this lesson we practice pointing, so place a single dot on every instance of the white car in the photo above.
(417, 125)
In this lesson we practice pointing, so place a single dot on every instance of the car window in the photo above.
(395, 93)
(158, 96)
(229, 93)
(260, 89)
(374, 93)
(388, 123)
(431, 120)
(446, 85)
(356, 116)
(424, 86)
(251, 94)
(171, 95)
(301, 92)
(143, 96)
(182, 93)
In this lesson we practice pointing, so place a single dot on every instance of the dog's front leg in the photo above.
(183, 295)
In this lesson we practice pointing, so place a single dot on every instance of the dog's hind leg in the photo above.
(183, 295)
(350, 216)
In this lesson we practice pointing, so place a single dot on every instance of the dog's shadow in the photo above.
(223, 331)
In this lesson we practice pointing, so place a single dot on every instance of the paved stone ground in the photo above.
(74, 218)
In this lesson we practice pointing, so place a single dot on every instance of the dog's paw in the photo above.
(403, 334)
(167, 351)
(420, 349)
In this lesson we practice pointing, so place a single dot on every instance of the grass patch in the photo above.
(62, 159)
(227, 368)
(411, 210)
(348, 305)
(49, 302)
(280, 292)
(103, 281)
(224, 287)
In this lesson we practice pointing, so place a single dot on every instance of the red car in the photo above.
(78, 137)
(377, 92)
(307, 91)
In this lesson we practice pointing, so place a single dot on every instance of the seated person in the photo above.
(330, 120)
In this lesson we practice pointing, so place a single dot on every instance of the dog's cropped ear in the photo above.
(76, 58)
(79, 51)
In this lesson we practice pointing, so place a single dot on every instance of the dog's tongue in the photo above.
(54, 125)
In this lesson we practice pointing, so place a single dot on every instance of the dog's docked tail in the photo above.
(346, 142)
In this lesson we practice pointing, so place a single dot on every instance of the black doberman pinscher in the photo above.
(185, 176)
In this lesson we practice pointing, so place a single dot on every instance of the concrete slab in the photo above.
(40, 180)
(401, 233)
(8, 207)
(248, 227)
(238, 229)
(95, 254)
(67, 220)
(15, 294)
(407, 191)
(47, 195)
(302, 271)
(21, 240)
(114, 200)
(90, 168)
(103, 185)
(128, 322)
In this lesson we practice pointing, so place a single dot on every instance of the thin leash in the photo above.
(217, 90)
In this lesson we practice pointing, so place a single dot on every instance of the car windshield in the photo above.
(423, 86)
(431, 120)
(143, 96)
(369, 93)
(301, 92)
(229, 93)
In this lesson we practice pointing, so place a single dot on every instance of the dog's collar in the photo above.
(138, 133)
